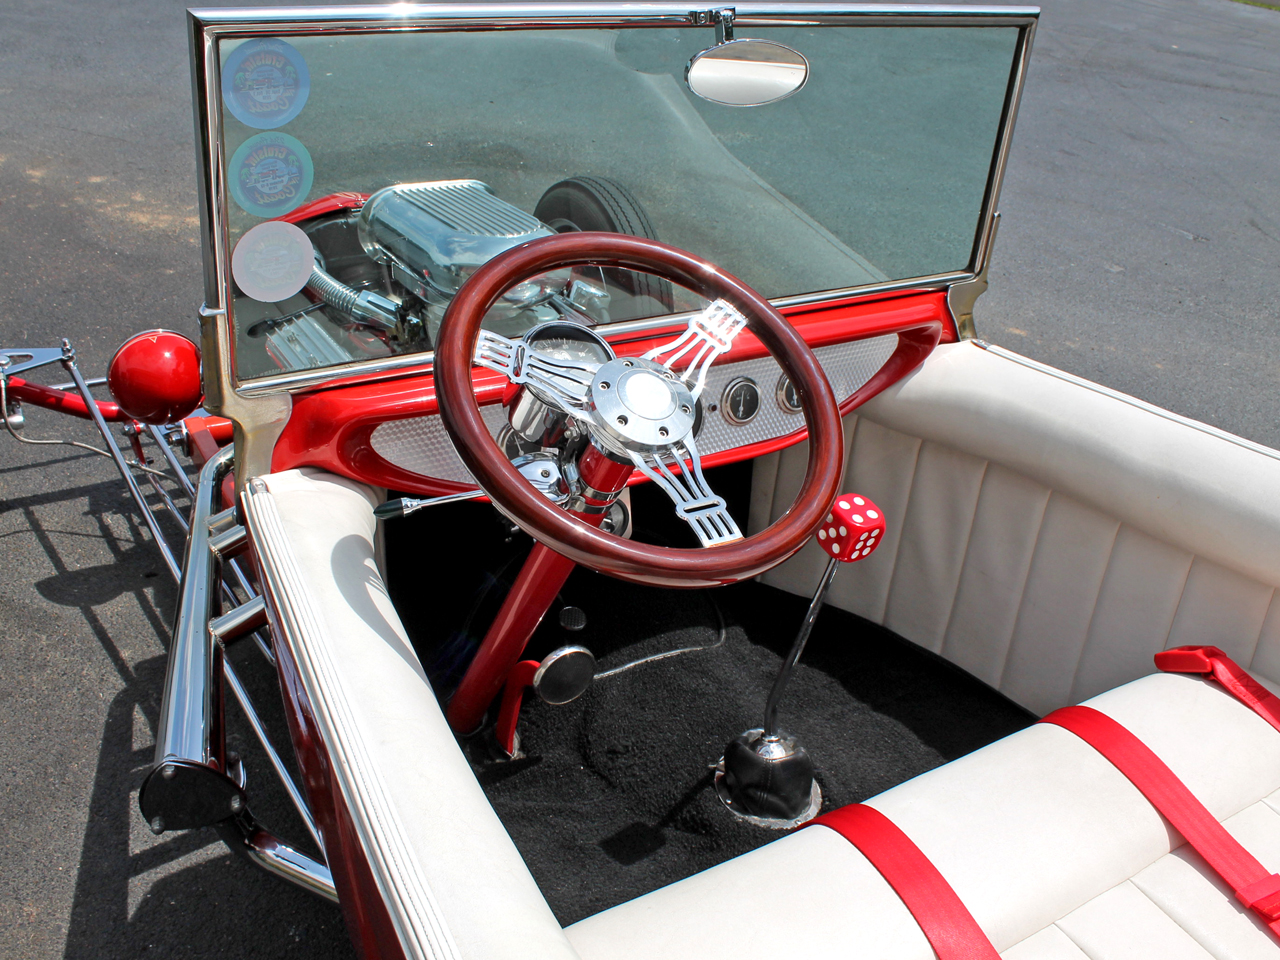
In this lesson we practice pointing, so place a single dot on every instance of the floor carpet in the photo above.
(614, 795)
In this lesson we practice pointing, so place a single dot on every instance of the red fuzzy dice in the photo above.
(854, 527)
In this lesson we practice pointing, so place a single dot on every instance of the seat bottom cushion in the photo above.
(1050, 847)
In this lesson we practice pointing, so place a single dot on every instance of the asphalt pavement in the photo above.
(1140, 247)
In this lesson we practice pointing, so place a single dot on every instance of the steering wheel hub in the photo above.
(641, 405)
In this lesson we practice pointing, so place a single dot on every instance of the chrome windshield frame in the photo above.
(260, 406)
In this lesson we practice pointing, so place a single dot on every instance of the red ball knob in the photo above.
(155, 377)
(853, 528)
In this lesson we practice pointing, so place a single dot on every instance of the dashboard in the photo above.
(386, 430)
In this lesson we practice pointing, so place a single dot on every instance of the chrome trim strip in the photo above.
(422, 363)
(991, 202)
(408, 16)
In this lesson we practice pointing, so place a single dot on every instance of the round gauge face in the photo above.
(788, 395)
(568, 341)
(740, 401)
(562, 348)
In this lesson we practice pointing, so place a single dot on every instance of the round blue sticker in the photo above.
(270, 174)
(265, 83)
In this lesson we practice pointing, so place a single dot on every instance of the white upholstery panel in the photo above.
(935, 536)
(1049, 944)
(1123, 923)
(1223, 608)
(1050, 847)
(411, 791)
(1194, 488)
(1073, 552)
(1133, 613)
(1045, 534)
(1002, 542)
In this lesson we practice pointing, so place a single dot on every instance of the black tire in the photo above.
(598, 203)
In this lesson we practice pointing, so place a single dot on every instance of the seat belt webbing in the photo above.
(1253, 885)
(948, 925)
(1212, 662)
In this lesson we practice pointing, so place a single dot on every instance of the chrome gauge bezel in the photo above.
(780, 394)
(726, 410)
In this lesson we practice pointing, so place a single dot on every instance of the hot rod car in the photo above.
(590, 440)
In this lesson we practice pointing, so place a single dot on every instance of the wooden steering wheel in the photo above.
(660, 440)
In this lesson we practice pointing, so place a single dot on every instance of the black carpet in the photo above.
(614, 797)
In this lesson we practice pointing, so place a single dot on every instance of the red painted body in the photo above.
(331, 204)
(62, 401)
(540, 579)
(155, 377)
(331, 428)
(535, 589)
(207, 435)
(521, 676)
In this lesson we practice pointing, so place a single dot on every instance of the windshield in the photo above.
(875, 171)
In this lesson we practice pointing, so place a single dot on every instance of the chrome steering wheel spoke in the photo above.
(564, 383)
(709, 334)
(688, 489)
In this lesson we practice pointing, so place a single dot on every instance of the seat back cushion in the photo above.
(1048, 535)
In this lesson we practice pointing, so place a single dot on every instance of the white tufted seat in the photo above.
(1054, 852)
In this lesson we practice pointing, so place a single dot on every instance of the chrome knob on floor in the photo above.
(766, 776)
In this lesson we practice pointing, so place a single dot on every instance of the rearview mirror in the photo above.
(747, 73)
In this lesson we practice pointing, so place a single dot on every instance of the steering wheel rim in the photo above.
(574, 538)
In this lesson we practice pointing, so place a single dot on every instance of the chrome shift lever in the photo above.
(766, 776)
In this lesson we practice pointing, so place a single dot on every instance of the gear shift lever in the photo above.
(766, 776)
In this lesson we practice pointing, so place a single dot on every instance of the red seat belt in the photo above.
(1253, 885)
(1212, 662)
(949, 927)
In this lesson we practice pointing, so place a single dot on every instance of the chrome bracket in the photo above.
(720, 17)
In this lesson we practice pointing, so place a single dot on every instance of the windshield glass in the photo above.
(875, 171)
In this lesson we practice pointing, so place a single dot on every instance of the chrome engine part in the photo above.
(372, 308)
(434, 235)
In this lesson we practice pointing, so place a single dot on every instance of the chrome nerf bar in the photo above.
(189, 785)
(193, 782)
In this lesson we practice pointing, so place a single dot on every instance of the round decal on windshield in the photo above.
(272, 261)
(270, 174)
(265, 83)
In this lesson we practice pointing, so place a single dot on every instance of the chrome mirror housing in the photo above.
(747, 73)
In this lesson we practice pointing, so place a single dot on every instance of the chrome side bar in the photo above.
(189, 785)
(193, 782)
(244, 836)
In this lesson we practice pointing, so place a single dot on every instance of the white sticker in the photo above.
(272, 261)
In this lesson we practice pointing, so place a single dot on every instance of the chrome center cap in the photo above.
(647, 394)
(640, 405)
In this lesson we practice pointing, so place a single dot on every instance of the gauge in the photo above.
(788, 396)
(740, 401)
(563, 340)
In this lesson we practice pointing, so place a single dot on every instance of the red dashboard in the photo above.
(334, 427)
